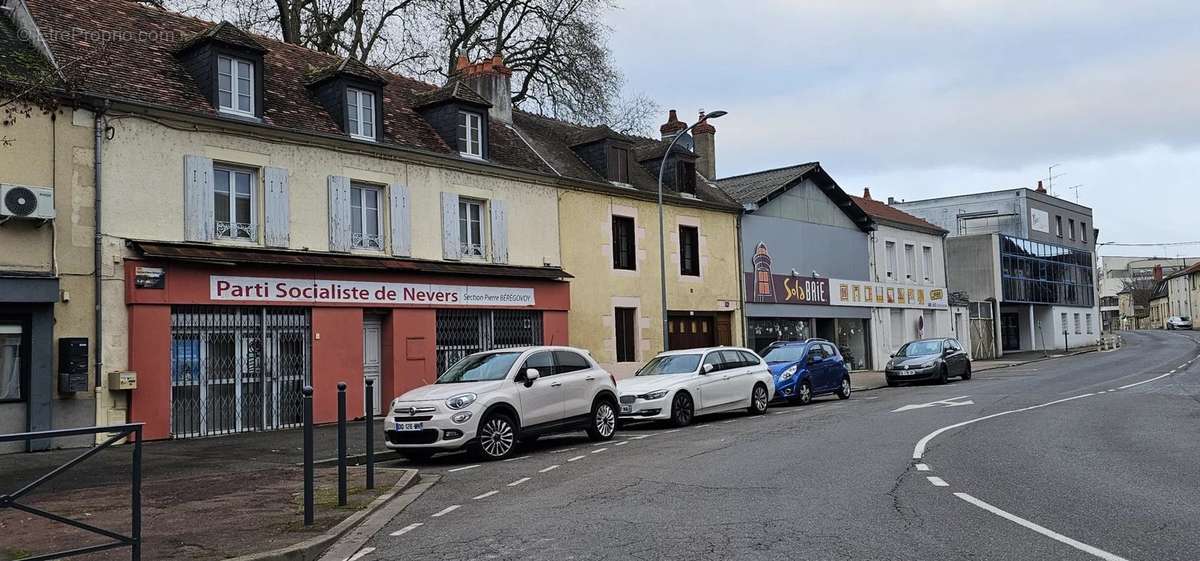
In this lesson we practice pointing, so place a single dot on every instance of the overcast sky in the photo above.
(920, 99)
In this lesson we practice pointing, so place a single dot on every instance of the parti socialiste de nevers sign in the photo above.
(258, 289)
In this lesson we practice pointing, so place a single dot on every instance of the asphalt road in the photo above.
(1102, 475)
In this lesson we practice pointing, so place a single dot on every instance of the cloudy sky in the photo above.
(925, 98)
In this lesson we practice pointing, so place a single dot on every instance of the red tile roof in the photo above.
(881, 212)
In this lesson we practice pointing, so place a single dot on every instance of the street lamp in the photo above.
(662, 233)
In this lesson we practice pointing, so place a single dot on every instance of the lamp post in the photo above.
(662, 233)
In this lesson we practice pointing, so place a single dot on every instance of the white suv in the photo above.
(488, 402)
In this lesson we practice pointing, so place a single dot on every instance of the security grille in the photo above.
(237, 369)
(462, 332)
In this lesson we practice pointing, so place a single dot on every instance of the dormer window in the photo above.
(470, 134)
(227, 65)
(360, 114)
(235, 85)
(618, 164)
(685, 177)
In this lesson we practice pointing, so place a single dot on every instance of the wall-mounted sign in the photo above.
(883, 295)
(1039, 220)
(257, 289)
(150, 277)
(764, 287)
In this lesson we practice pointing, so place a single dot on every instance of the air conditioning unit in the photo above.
(19, 201)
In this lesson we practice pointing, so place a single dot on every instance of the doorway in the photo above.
(691, 332)
(1010, 331)
(372, 328)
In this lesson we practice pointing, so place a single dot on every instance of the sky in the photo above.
(919, 99)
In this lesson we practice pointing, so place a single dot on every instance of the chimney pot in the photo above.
(867, 193)
(1040, 189)
(492, 80)
(891, 201)
(673, 125)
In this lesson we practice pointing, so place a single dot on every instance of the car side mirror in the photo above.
(947, 352)
(707, 369)
(531, 375)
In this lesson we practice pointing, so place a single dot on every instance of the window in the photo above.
(890, 248)
(1064, 322)
(716, 360)
(689, 251)
(685, 177)
(626, 325)
(1083, 232)
(618, 164)
(235, 86)
(1071, 228)
(235, 204)
(1078, 325)
(470, 227)
(1089, 324)
(543, 362)
(733, 359)
(360, 114)
(366, 220)
(470, 134)
(1058, 225)
(910, 260)
(568, 361)
(624, 255)
(927, 255)
(749, 359)
(11, 344)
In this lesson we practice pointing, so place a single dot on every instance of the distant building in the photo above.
(1121, 272)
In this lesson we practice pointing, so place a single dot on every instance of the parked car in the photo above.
(488, 402)
(1179, 322)
(802, 370)
(677, 386)
(928, 359)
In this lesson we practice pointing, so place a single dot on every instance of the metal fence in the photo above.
(236, 369)
(117, 432)
(462, 332)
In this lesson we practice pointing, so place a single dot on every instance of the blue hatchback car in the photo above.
(805, 369)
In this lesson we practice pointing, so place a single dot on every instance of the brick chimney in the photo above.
(491, 79)
(672, 127)
(1158, 273)
(704, 140)
(1040, 189)
(867, 193)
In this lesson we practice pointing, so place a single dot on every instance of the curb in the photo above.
(344, 548)
(311, 549)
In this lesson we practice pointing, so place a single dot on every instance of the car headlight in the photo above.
(787, 374)
(461, 400)
(930, 364)
(656, 394)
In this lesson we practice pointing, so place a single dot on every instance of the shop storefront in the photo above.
(227, 347)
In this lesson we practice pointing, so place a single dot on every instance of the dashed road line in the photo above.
(407, 529)
(519, 481)
(484, 496)
(550, 468)
(361, 553)
(445, 511)
(599, 450)
(1041, 529)
(937, 481)
(464, 468)
(621, 443)
(919, 449)
(576, 458)
(516, 458)
(638, 437)
(669, 432)
(729, 421)
(561, 451)
(922, 467)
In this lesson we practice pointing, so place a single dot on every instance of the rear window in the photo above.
(570, 362)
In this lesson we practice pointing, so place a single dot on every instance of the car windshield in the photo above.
(1185, 318)
(479, 368)
(920, 348)
(671, 364)
(785, 353)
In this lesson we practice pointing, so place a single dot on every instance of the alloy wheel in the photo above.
(497, 437)
(606, 420)
(759, 399)
(845, 393)
(681, 409)
(804, 394)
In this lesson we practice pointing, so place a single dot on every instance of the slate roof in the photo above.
(453, 91)
(349, 67)
(881, 212)
(143, 69)
(760, 187)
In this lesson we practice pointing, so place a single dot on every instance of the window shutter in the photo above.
(499, 211)
(339, 213)
(401, 221)
(451, 247)
(199, 224)
(278, 207)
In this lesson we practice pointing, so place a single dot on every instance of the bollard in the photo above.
(308, 455)
(341, 447)
(369, 428)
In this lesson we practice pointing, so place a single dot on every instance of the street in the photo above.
(1086, 457)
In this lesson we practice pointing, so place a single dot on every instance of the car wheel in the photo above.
(682, 410)
(944, 375)
(803, 393)
(416, 455)
(844, 391)
(758, 400)
(966, 375)
(497, 437)
(604, 421)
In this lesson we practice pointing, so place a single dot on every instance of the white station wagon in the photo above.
(678, 385)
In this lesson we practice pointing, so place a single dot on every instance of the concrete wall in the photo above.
(54, 151)
(1056, 208)
(831, 251)
(976, 267)
(1008, 205)
(598, 288)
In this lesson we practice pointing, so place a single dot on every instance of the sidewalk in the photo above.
(873, 379)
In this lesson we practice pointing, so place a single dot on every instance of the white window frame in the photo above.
(472, 124)
(358, 114)
(1090, 330)
(222, 230)
(927, 261)
(361, 239)
(910, 261)
(235, 90)
(472, 248)
(890, 258)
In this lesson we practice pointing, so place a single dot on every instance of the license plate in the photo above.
(627, 409)
(409, 426)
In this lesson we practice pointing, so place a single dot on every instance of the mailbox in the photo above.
(72, 364)
(122, 380)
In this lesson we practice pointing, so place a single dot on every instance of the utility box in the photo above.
(122, 380)
(72, 364)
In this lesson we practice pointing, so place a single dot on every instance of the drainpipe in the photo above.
(98, 295)
(741, 279)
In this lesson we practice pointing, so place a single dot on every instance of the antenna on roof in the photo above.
(1076, 189)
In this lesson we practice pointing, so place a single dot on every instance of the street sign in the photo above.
(948, 402)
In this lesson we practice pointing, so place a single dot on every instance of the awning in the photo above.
(214, 254)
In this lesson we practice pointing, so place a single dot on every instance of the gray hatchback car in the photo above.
(935, 359)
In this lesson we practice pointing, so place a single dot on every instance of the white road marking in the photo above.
(546, 469)
(621, 443)
(445, 511)
(519, 481)
(922, 467)
(729, 421)
(1127, 386)
(599, 444)
(576, 458)
(563, 450)
(362, 552)
(638, 437)
(515, 459)
(937, 481)
(485, 495)
(670, 431)
(1040, 529)
(599, 450)
(948, 402)
(464, 468)
(408, 528)
(919, 449)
